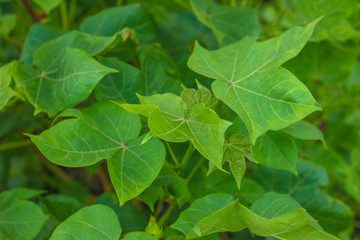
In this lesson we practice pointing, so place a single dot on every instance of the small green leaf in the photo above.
(48, 5)
(7, 24)
(305, 131)
(10, 196)
(250, 81)
(93, 222)
(6, 92)
(174, 122)
(276, 150)
(237, 147)
(113, 20)
(22, 220)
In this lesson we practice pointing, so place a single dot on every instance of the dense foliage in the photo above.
(179, 119)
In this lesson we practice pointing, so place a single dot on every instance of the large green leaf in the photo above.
(335, 26)
(286, 219)
(333, 215)
(250, 81)
(321, 62)
(105, 131)
(93, 222)
(276, 150)
(22, 220)
(63, 76)
(229, 24)
(113, 20)
(6, 92)
(38, 34)
(171, 120)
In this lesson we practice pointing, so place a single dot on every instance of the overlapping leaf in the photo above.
(113, 20)
(276, 150)
(63, 75)
(171, 120)
(286, 219)
(333, 215)
(105, 131)
(93, 222)
(250, 81)
(305, 131)
(229, 24)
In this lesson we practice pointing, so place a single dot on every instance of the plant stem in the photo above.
(12, 40)
(158, 208)
(64, 16)
(57, 170)
(167, 213)
(30, 10)
(104, 178)
(174, 158)
(194, 170)
(243, 3)
(72, 10)
(12, 145)
(119, 2)
(187, 155)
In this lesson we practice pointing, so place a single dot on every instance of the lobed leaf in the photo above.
(250, 81)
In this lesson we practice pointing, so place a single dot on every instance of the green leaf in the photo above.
(229, 24)
(138, 236)
(305, 131)
(327, 65)
(7, 24)
(192, 97)
(286, 219)
(237, 147)
(6, 92)
(105, 131)
(159, 72)
(132, 218)
(113, 20)
(38, 35)
(55, 78)
(22, 220)
(172, 121)
(276, 150)
(250, 81)
(48, 5)
(335, 25)
(61, 206)
(10, 196)
(119, 86)
(133, 168)
(333, 215)
(93, 222)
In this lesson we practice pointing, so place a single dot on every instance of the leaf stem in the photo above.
(29, 9)
(233, 3)
(12, 145)
(64, 15)
(119, 2)
(187, 155)
(159, 208)
(167, 213)
(174, 158)
(195, 169)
